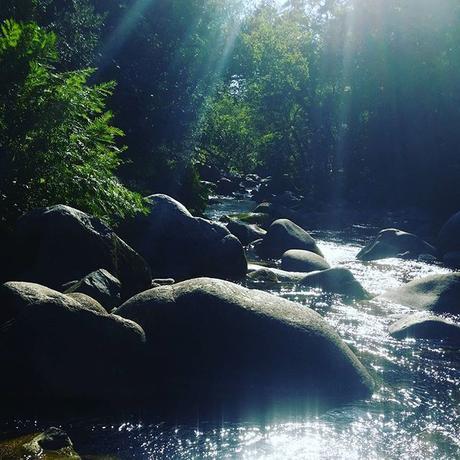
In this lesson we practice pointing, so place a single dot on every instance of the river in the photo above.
(413, 414)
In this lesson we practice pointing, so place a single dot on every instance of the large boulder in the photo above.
(425, 327)
(298, 260)
(215, 337)
(246, 233)
(53, 347)
(449, 236)
(436, 293)
(283, 235)
(392, 242)
(58, 244)
(101, 286)
(180, 246)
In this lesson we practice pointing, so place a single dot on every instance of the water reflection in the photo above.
(414, 414)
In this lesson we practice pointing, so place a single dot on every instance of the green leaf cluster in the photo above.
(57, 143)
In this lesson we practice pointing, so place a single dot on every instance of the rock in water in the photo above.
(101, 286)
(436, 293)
(53, 347)
(339, 280)
(57, 244)
(392, 242)
(283, 235)
(215, 337)
(298, 260)
(246, 233)
(449, 236)
(180, 246)
(425, 327)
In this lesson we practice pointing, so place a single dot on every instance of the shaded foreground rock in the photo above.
(215, 337)
(436, 293)
(53, 347)
(101, 286)
(283, 235)
(425, 327)
(58, 244)
(392, 242)
(180, 246)
(298, 260)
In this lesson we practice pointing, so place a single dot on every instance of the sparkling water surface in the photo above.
(414, 413)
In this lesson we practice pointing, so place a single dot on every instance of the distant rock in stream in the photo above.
(337, 280)
(425, 327)
(283, 235)
(392, 242)
(437, 293)
(299, 260)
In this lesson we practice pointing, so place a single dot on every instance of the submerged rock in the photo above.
(54, 347)
(211, 337)
(298, 260)
(246, 233)
(425, 327)
(436, 293)
(392, 242)
(283, 235)
(57, 244)
(180, 246)
(101, 286)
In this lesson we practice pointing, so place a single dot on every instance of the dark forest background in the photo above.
(348, 102)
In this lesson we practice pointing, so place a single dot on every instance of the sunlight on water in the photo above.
(414, 413)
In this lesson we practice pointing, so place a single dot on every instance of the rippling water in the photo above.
(414, 414)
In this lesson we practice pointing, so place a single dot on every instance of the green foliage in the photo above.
(57, 144)
(75, 22)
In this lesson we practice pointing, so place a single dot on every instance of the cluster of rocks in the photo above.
(150, 312)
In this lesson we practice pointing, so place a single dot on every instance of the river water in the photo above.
(413, 414)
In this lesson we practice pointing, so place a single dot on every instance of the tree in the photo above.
(57, 144)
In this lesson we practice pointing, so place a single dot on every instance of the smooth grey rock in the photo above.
(298, 260)
(283, 235)
(55, 348)
(101, 286)
(436, 293)
(392, 242)
(214, 336)
(246, 233)
(339, 280)
(57, 244)
(180, 246)
(425, 327)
